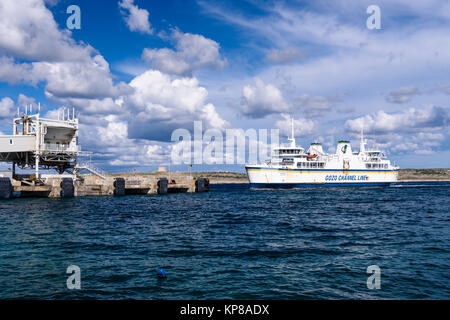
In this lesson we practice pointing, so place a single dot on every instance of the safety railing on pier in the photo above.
(92, 169)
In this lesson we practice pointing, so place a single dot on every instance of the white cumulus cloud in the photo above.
(192, 52)
(135, 17)
(35, 50)
(260, 100)
(412, 119)
(6, 107)
(161, 104)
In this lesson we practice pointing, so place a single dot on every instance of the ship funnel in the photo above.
(344, 148)
(316, 148)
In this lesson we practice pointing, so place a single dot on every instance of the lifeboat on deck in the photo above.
(311, 156)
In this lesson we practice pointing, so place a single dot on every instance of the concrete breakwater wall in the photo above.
(91, 185)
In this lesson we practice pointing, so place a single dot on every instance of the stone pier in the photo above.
(91, 185)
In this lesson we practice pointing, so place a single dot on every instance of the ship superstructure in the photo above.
(292, 166)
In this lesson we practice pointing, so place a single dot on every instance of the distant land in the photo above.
(424, 174)
(235, 177)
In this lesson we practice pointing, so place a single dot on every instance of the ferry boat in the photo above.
(292, 167)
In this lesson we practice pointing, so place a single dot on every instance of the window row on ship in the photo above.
(315, 164)
(376, 165)
(310, 164)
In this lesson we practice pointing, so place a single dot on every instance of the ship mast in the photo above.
(292, 138)
(362, 145)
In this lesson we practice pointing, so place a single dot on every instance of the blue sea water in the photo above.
(231, 243)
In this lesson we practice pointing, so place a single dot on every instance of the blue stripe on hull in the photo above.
(317, 185)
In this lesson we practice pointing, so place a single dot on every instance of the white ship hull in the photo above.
(269, 177)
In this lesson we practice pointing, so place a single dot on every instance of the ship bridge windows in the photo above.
(287, 151)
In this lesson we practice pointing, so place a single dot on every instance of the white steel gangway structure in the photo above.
(41, 143)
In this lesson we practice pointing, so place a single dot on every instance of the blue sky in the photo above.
(137, 70)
